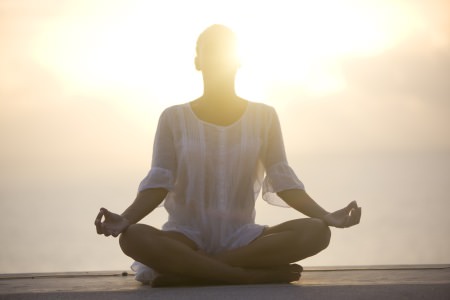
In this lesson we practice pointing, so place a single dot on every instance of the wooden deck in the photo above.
(382, 282)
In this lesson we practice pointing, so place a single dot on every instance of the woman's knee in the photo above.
(312, 233)
(129, 240)
(321, 233)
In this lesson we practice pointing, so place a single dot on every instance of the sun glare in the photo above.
(282, 43)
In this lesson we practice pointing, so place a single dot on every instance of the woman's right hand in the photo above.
(345, 217)
(113, 224)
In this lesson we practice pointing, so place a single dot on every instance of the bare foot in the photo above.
(168, 280)
(283, 274)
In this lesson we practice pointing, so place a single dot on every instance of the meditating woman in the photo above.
(211, 158)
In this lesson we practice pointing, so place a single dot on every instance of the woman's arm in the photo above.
(114, 224)
(302, 202)
(342, 218)
(145, 202)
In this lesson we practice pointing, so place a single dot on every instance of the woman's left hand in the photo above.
(113, 224)
(345, 217)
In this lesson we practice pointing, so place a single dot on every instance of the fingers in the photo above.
(354, 217)
(108, 232)
(107, 227)
(105, 231)
(98, 221)
(105, 212)
(352, 205)
(357, 215)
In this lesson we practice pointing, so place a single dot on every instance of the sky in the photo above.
(361, 89)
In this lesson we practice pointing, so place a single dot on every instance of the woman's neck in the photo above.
(219, 93)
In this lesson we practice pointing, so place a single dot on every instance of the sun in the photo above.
(120, 51)
(133, 46)
(303, 47)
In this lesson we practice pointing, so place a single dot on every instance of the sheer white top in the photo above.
(214, 173)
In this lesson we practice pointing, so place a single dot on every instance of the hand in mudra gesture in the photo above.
(113, 224)
(345, 217)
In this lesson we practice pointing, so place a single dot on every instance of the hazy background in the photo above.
(361, 87)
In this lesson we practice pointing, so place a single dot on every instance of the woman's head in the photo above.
(217, 50)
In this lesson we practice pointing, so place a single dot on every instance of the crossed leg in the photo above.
(267, 259)
(282, 244)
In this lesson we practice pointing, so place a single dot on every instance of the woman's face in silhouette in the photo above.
(216, 55)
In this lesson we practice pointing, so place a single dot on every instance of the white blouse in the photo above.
(215, 173)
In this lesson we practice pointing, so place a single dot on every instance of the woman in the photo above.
(211, 158)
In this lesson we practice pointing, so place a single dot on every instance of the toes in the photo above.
(296, 268)
(296, 271)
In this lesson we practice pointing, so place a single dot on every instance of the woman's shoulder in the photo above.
(258, 108)
(262, 109)
(173, 109)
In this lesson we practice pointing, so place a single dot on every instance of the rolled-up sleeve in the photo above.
(164, 161)
(279, 175)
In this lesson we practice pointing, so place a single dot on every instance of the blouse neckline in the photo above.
(238, 120)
